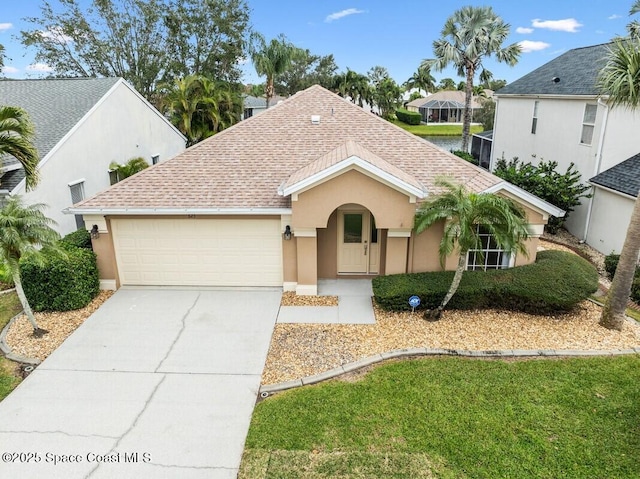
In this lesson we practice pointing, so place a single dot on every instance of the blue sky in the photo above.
(395, 34)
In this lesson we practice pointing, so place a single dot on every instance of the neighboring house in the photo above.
(254, 105)
(446, 106)
(555, 113)
(315, 187)
(81, 126)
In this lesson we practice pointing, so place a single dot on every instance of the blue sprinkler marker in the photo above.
(414, 302)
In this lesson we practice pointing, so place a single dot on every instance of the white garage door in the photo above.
(198, 252)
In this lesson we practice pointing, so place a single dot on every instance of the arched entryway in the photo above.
(358, 249)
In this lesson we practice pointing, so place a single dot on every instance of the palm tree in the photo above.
(634, 26)
(16, 139)
(619, 80)
(353, 85)
(470, 35)
(463, 213)
(130, 168)
(23, 230)
(422, 80)
(271, 59)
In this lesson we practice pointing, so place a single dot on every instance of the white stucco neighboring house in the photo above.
(81, 126)
(556, 113)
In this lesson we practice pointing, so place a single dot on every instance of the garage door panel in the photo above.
(216, 252)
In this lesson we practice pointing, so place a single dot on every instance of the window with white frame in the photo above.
(534, 121)
(588, 123)
(77, 195)
(155, 159)
(488, 255)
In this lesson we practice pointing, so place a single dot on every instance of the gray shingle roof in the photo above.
(55, 106)
(624, 177)
(577, 71)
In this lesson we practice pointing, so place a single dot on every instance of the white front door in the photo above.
(355, 252)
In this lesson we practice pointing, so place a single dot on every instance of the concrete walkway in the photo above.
(155, 384)
(354, 304)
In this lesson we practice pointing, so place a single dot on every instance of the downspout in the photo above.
(597, 167)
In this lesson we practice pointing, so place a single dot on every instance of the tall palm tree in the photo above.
(619, 81)
(470, 35)
(463, 212)
(23, 230)
(422, 80)
(271, 59)
(16, 139)
(634, 26)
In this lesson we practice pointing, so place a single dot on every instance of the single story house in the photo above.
(81, 126)
(315, 187)
(446, 106)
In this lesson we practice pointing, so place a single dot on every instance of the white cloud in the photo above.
(39, 67)
(615, 16)
(600, 32)
(528, 46)
(342, 13)
(524, 30)
(5, 26)
(56, 34)
(570, 25)
(8, 69)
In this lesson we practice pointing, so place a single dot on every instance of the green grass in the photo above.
(436, 130)
(574, 418)
(9, 307)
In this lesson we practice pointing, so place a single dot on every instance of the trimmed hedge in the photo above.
(408, 117)
(556, 282)
(79, 239)
(60, 281)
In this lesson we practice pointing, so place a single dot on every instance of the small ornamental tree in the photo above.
(563, 190)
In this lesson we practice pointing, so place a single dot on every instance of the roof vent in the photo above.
(315, 119)
(555, 79)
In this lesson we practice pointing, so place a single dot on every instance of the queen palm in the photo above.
(271, 59)
(634, 26)
(463, 213)
(619, 81)
(130, 168)
(23, 230)
(470, 35)
(16, 139)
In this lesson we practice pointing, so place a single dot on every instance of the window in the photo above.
(77, 195)
(113, 177)
(534, 121)
(588, 124)
(489, 255)
(155, 159)
(248, 113)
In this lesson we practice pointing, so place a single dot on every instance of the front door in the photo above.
(355, 242)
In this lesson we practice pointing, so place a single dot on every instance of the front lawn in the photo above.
(435, 130)
(458, 418)
(9, 307)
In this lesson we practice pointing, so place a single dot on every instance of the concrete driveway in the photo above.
(155, 384)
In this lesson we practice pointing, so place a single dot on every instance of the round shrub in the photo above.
(611, 264)
(60, 281)
(79, 239)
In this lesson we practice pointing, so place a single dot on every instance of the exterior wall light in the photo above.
(95, 234)
(287, 233)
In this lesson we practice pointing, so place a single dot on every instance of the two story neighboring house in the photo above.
(81, 126)
(556, 113)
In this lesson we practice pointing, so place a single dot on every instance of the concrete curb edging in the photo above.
(266, 390)
(5, 291)
(6, 350)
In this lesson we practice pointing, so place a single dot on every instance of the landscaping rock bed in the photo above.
(291, 299)
(299, 350)
(59, 326)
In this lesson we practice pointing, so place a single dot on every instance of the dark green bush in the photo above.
(408, 117)
(635, 288)
(79, 239)
(465, 156)
(64, 281)
(611, 264)
(556, 282)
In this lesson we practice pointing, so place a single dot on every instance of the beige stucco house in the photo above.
(314, 187)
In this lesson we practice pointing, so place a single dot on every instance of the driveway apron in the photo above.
(155, 384)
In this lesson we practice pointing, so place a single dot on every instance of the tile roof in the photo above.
(243, 166)
(623, 177)
(55, 106)
(577, 71)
